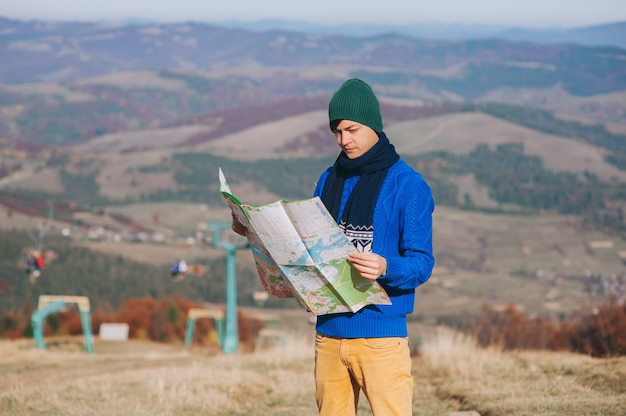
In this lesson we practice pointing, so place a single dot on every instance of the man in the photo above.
(385, 208)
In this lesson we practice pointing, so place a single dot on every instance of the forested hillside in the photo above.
(109, 280)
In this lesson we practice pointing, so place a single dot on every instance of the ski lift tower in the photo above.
(230, 335)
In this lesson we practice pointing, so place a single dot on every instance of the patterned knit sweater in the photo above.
(403, 236)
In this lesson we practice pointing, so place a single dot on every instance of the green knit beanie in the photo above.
(356, 101)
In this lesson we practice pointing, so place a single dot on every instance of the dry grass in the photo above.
(524, 383)
(150, 138)
(141, 378)
(266, 140)
(152, 379)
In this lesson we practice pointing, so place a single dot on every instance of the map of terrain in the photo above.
(300, 251)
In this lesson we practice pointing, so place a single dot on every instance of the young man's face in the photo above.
(354, 139)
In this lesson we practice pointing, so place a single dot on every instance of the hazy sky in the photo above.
(535, 13)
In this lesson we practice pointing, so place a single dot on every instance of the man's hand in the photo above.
(238, 227)
(370, 265)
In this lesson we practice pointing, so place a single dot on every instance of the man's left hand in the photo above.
(370, 265)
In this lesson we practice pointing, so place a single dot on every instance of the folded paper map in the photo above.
(300, 251)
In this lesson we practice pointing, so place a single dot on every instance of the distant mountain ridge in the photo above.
(37, 51)
(606, 34)
(609, 34)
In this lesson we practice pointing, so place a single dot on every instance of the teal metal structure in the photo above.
(38, 318)
(229, 335)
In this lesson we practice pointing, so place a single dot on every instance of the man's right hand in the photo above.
(238, 227)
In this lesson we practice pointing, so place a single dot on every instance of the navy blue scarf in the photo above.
(358, 215)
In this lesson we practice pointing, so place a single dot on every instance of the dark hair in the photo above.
(335, 123)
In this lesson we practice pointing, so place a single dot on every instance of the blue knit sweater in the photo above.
(403, 236)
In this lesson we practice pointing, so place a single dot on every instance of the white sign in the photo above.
(114, 332)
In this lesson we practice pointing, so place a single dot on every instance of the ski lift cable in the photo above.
(44, 227)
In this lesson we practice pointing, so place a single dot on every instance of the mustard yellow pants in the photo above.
(380, 367)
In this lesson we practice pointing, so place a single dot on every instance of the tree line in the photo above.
(599, 333)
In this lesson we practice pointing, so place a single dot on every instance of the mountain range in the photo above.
(33, 51)
(609, 34)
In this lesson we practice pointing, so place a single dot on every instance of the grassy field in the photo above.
(141, 378)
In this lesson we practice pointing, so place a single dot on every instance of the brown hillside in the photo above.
(120, 156)
(462, 132)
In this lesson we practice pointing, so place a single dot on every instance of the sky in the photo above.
(520, 13)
